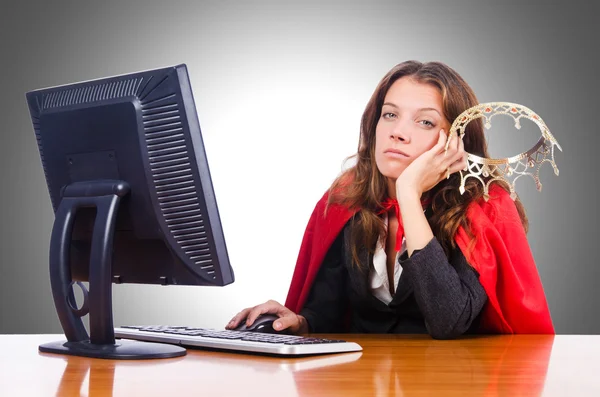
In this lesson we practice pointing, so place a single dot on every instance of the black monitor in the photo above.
(133, 200)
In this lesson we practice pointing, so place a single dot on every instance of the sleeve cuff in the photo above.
(308, 316)
(433, 248)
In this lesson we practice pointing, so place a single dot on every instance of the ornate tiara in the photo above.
(526, 163)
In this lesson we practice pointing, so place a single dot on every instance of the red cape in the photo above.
(501, 255)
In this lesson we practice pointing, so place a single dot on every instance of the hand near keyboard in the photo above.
(288, 320)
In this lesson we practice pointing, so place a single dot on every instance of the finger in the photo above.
(459, 163)
(439, 145)
(442, 143)
(461, 150)
(449, 137)
(255, 312)
(289, 320)
(458, 166)
(451, 166)
(267, 307)
(453, 156)
(458, 141)
(459, 156)
(237, 318)
(451, 146)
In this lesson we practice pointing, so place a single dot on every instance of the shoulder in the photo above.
(327, 211)
(496, 218)
(500, 207)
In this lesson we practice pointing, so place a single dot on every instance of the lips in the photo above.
(395, 153)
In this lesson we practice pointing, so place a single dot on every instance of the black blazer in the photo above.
(436, 294)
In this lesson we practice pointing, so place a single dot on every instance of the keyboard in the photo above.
(237, 341)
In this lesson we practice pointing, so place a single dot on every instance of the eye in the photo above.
(427, 123)
(388, 116)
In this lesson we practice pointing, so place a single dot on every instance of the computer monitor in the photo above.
(133, 199)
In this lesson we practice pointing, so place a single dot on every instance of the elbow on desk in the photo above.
(444, 333)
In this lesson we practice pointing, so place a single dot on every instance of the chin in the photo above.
(392, 172)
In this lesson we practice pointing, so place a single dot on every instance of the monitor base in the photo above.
(121, 350)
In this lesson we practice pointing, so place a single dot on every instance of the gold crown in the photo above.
(526, 163)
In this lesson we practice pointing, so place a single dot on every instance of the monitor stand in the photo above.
(105, 195)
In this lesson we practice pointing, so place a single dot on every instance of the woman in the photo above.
(393, 247)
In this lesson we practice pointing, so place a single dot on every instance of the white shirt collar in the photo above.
(378, 276)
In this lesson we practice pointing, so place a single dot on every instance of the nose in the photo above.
(399, 134)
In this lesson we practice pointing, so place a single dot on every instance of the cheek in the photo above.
(429, 140)
(379, 147)
(387, 168)
(380, 135)
(433, 140)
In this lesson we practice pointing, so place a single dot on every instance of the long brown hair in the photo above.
(363, 187)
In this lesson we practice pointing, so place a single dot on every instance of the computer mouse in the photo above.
(263, 323)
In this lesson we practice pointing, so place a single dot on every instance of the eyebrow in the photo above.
(418, 110)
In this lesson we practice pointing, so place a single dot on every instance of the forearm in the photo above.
(416, 228)
(326, 303)
(449, 294)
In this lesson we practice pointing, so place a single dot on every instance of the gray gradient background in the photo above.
(247, 61)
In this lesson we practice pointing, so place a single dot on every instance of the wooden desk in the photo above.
(390, 365)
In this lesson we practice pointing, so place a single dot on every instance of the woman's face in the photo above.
(408, 126)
